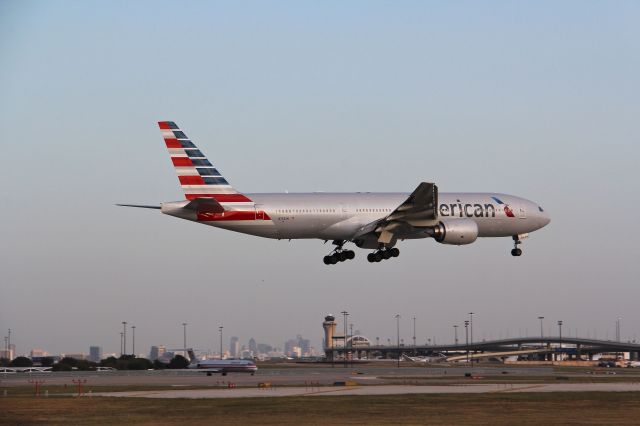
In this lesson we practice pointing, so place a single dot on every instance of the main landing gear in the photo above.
(516, 251)
(339, 255)
(384, 254)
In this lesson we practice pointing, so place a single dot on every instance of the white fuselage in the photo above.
(338, 216)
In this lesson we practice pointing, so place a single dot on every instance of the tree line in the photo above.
(124, 362)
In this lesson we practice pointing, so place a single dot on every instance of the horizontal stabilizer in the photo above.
(139, 206)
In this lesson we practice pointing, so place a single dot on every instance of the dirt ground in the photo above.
(574, 408)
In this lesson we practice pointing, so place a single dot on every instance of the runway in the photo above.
(279, 376)
(378, 390)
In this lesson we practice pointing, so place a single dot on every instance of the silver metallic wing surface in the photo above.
(419, 210)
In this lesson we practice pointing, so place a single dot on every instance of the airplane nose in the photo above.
(544, 218)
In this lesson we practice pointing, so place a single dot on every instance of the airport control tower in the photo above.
(329, 326)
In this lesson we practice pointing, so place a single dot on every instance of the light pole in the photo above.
(471, 325)
(345, 314)
(133, 345)
(618, 329)
(398, 336)
(466, 334)
(351, 330)
(121, 344)
(9, 344)
(220, 329)
(560, 328)
(541, 332)
(455, 334)
(184, 338)
(414, 332)
(124, 337)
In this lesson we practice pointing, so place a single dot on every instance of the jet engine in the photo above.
(456, 231)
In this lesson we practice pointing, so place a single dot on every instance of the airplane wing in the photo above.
(417, 211)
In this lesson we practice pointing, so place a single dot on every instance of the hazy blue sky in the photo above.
(537, 99)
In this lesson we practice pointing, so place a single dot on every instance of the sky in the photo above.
(535, 99)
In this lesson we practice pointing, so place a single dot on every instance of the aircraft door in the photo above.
(344, 210)
(523, 212)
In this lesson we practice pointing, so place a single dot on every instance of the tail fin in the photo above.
(198, 177)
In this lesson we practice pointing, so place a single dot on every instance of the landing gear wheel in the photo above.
(386, 254)
(371, 257)
(516, 242)
(377, 256)
(338, 254)
(395, 252)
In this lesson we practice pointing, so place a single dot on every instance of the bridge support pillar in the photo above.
(579, 349)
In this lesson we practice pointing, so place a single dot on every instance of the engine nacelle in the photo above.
(456, 231)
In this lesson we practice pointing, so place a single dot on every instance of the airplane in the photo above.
(373, 221)
(425, 359)
(223, 366)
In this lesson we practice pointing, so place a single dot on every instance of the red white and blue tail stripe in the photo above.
(198, 177)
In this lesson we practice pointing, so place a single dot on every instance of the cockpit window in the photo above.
(541, 210)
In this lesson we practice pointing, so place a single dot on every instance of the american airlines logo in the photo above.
(474, 210)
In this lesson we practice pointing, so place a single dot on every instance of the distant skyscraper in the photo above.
(253, 347)
(157, 352)
(234, 347)
(263, 348)
(95, 353)
(297, 347)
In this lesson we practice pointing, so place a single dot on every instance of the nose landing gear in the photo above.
(384, 254)
(516, 251)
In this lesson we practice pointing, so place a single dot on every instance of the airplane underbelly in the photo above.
(326, 228)
(500, 227)
(259, 228)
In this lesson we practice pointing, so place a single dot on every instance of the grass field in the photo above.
(588, 408)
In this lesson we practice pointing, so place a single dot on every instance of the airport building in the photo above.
(547, 349)
(38, 353)
(79, 356)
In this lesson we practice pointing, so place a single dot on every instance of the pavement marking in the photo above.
(517, 388)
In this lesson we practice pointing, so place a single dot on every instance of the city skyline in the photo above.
(616, 333)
